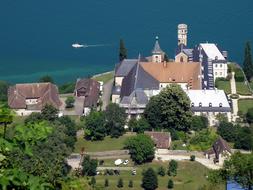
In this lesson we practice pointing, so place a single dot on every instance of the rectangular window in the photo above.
(216, 65)
(220, 65)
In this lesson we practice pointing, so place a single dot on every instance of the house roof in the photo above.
(92, 88)
(172, 72)
(137, 97)
(212, 51)
(185, 50)
(210, 100)
(161, 139)
(125, 67)
(46, 93)
(220, 146)
(138, 78)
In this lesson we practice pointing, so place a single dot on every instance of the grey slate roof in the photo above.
(157, 49)
(138, 79)
(125, 67)
(136, 97)
(211, 109)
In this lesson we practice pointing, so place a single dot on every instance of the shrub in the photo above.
(172, 170)
(131, 185)
(161, 171)
(106, 182)
(120, 183)
(70, 102)
(170, 184)
(239, 76)
(192, 158)
(249, 116)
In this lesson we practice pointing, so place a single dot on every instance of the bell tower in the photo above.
(182, 31)
(157, 53)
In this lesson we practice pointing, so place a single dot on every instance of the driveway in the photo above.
(107, 91)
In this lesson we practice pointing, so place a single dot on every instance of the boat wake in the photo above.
(77, 45)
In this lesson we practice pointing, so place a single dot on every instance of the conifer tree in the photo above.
(149, 180)
(247, 63)
(170, 184)
(131, 185)
(122, 50)
(120, 183)
(106, 182)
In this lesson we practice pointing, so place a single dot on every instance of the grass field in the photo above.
(95, 146)
(185, 179)
(104, 77)
(244, 105)
(224, 85)
(242, 89)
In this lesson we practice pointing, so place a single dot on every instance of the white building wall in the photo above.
(220, 70)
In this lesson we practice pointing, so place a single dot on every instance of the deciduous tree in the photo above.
(115, 120)
(169, 109)
(89, 166)
(141, 148)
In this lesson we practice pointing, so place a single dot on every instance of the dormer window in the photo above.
(200, 104)
(220, 105)
(192, 104)
(210, 104)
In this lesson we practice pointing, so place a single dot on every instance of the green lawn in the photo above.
(104, 77)
(242, 88)
(224, 85)
(107, 144)
(244, 105)
(191, 175)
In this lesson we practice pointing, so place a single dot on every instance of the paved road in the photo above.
(107, 91)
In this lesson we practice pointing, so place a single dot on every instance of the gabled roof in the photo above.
(212, 51)
(45, 93)
(92, 88)
(220, 146)
(125, 67)
(157, 49)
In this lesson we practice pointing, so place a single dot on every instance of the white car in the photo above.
(118, 162)
(125, 162)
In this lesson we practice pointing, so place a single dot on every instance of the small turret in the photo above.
(157, 53)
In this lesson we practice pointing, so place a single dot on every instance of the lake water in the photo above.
(36, 36)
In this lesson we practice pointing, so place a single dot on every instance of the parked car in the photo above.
(118, 162)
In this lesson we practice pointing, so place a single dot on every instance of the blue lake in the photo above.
(36, 36)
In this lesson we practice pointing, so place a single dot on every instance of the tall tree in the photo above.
(3, 91)
(49, 113)
(141, 148)
(89, 166)
(6, 117)
(169, 109)
(247, 63)
(122, 50)
(115, 120)
(149, 180)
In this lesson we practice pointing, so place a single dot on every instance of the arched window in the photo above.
(192, 104)
(200, 104)
(210, 104)
(220, 105)
(181, 59)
